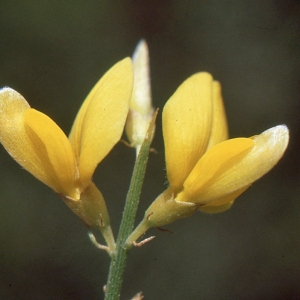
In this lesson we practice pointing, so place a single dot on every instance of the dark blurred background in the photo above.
(53, 52)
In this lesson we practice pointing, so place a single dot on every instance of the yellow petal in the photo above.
(214, 163)
(12, 132)
(219, 131)
(54, 152)
(100, 121)
(216, 209)
(27, 147)
(237, 174)
(222, 204)
(187, 118)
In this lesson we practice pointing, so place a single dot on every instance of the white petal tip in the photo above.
(279, 134)
(7, 89)
(140, 49)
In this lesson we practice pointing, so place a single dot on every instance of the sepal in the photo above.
(165, 209)
(90, 208)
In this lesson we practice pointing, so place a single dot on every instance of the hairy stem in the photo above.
(118, 259)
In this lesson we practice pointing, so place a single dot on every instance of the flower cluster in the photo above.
(206, 170)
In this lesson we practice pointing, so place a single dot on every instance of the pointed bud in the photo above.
(141, 110)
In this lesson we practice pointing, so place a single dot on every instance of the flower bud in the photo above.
(141, 110)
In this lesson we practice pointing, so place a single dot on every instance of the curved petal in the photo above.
(222, 204)
(216, 209)
(12, 133)
(236, 174)
(54, 153)
(100, 121)
(213, 164)
(26, 146)
(187, 118)
(219, 130)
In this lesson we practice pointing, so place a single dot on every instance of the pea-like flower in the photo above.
(67, 164)
(205, 170)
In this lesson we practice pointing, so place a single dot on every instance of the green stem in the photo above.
(138, 232)
(109, 238)
(118, 259)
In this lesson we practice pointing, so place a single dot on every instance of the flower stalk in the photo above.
(118, 260)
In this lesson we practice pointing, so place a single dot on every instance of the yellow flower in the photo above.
(205, 170)
(67, 165)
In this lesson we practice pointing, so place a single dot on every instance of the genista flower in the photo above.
(67, 165)
(141, 110)
(206, 171)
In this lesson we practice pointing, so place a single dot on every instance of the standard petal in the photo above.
(187, 119)
(219, 131)
(53, 153)
(100, 121)
(238, 174)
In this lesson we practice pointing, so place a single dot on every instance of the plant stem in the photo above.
(118, 259)
(138, 231)
(109, 238)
